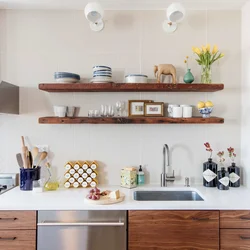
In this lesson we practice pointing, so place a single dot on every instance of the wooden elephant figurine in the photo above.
(165, 69)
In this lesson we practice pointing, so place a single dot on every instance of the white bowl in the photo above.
(60, 111)
(106, 68)
(66, 80)
(136, 78)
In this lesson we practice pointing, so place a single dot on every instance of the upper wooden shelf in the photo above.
(130, 120)
(129, 87)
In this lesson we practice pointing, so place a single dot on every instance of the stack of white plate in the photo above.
(102, 74)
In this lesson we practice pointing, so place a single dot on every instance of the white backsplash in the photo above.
(35, 44)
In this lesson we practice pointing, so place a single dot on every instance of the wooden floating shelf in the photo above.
(129, 87)
(130, 120)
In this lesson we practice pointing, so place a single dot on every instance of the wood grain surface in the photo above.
(17, 220)
(18, 239)
(129, 87)
(235, 239)
(235, 219)
(130, 120)
(173, 230)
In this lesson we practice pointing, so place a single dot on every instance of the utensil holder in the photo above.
(27, 176)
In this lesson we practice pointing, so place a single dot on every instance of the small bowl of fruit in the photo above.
(205, 108)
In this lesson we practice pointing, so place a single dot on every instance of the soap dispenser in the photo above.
(140, 177)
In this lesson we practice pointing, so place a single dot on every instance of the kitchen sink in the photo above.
(167, 196)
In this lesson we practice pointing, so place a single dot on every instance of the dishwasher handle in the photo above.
(102, 224)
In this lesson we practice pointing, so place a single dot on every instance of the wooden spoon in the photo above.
(35, 152)
(42, 157)
(25, 153)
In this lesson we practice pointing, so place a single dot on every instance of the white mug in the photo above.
(177, 112)
(187, 112)
(170, 109)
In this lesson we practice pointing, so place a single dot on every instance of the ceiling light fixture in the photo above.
(175, 14)
(94, 14)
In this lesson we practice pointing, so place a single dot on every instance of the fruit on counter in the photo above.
(209, 104)
(115, 194)
(200, 105)
(94, 194)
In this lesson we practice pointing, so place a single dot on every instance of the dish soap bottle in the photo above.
(140, 177)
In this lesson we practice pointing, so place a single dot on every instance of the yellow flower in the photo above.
(187, 57)
(204, 48)
(197, 51)
(222, 55)
(215, 49)
(208, 47)
(185, 61)
(193, 49)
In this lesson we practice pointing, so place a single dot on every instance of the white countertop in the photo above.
(73, 199)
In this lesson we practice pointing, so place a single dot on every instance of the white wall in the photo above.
(35, 44)
(245, 83)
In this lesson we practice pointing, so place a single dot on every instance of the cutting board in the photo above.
(105, 200)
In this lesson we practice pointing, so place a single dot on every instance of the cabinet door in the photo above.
(17, 239)
(235, 239)
(173, 230)
(17, 220)
(235, 219)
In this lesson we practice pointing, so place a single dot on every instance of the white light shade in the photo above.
(94, 12)
(176, 12)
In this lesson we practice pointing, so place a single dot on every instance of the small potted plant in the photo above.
(209, 169)
(234, 171)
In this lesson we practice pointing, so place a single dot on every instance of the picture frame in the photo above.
(155, 109)
(136, 108)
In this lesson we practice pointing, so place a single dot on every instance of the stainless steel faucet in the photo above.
(164, 177)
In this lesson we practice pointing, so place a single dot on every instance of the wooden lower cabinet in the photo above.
(17, 239)
(17, 230)
(235, 219)
(173, 230)
(235, 239)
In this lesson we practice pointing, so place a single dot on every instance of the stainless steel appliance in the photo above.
(82, 230)
(7, 182)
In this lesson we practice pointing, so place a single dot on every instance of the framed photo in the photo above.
(154, 109)
(137, 107)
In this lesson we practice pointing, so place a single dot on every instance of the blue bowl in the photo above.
(101, 67)
(206, 112)
(102, 74)
(58, 75)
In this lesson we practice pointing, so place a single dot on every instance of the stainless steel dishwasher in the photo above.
(82, 230)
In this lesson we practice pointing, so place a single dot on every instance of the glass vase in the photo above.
(206, 74)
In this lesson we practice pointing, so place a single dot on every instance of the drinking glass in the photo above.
(102, 111)
(105, 112)
(111, 111)
(91, 113)
(118, 106)
(96, 113)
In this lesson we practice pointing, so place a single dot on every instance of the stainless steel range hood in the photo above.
(9, 98)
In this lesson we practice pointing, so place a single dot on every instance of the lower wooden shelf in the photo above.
(130, 120)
